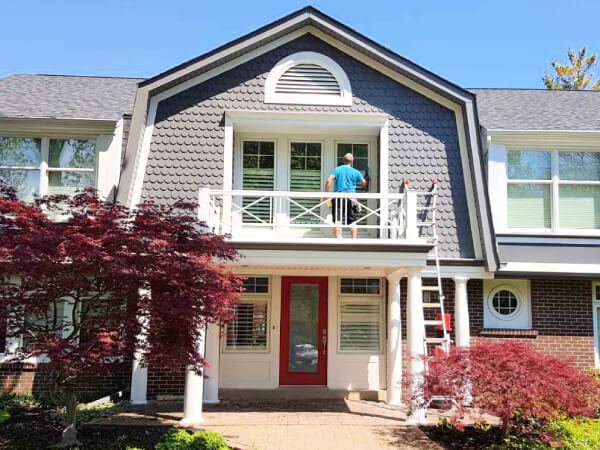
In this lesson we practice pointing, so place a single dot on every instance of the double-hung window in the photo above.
(43, 166)
(248, 329)
(360, 315)
(258, 174)
(553, 190)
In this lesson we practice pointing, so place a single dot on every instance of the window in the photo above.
(360, 315)
(258, 174)
(553, 189)
(596, 319)
(47, 166)
(361, 158)
(305, 176)
(308, 78)
(20, 165)
(360, 286)
(507, 304)
(248, 330)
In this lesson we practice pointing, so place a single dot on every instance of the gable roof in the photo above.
(538, 109)
(66, 97)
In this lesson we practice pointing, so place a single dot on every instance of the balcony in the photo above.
(307, 217)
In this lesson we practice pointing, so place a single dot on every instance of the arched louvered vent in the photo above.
(308, 79)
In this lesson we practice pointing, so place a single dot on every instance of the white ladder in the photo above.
(432, 336)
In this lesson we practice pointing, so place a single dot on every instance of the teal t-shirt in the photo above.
(346, 178)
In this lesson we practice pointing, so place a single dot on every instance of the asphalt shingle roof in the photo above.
(66, 97)
(538, 109)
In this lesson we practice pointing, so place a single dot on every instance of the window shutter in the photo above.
(529, 206)
(307, 79)
(579, 206)
(248, 328)
(360, 325)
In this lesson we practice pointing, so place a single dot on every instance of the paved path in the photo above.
(295, 425)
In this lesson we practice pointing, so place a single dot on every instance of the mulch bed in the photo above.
(38, 428)
(469, 439)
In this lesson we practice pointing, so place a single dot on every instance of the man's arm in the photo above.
(329, 183)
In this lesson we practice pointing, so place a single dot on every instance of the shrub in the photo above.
(4, 415)
(209, 440)
(576, 434)
(512, 381)
(175, 440)
(201, 440)
(8, 401)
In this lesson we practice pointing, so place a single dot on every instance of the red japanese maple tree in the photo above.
(84, 282)
(513, 381)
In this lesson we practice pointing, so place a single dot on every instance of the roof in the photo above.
(538, 109)
(66, 96)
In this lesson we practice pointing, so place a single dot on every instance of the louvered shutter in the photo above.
(360, 325)
(248, 328)
(258, 174)
(307, 79)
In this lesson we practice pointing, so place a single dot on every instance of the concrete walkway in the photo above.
(294, 425)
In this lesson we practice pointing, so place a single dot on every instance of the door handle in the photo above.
(324, 342)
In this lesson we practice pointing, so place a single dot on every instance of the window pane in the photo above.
(579, 166)
(360, 286)
(579, 206)
(256, 284)
(23, 152)
(72, 153)
(68, 183)
(248, 328)
(26, 182)
(305, 175)
(529, 206)
(528, 165)
(359, 326)
(258, 174)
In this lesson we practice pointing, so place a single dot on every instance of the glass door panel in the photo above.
(304, 328)
(305, 176)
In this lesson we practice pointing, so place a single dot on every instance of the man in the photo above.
(345, 178)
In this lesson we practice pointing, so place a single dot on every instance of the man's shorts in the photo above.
(344, 210)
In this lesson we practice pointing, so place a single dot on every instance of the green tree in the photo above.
(575, 75)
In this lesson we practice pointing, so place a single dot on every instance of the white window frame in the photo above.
(520, 319)
(254, 298)
(499, 182)
(344, 99)
(44, 167)
(359, 299)
(595, 309)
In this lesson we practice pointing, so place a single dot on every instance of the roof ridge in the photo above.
(528, 89)
(58, 75)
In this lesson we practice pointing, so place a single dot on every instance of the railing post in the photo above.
(412, 231)
(204, 212)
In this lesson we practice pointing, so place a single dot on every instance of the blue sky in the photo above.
(502, 43)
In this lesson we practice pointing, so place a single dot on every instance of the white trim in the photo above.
(595, 310)
(344, 99)
(593, 269)
(520, 319)
(512, 290)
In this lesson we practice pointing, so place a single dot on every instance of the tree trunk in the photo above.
(69, 435)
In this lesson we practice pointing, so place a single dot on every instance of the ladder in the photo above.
(426, 219)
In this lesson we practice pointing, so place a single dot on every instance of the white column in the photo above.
(139, 373)
(461, 312)
(211, 381)
(194, 387)
(394, 347)
(415, 342)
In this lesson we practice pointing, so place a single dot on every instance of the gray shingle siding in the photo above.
(187, 144)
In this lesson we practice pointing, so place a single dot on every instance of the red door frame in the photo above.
(298, 378)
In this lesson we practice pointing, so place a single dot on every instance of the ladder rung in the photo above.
(437, 340)
(433, 322)
(432, 305)
(431, 288)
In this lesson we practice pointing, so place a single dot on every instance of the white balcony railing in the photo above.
(280, 215)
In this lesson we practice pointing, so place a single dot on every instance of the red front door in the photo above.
(303, 352)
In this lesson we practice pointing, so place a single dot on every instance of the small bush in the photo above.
(175, 440)
(577, 434)
(8, 401)
(201, 440)
(4, 415)
(209, 440)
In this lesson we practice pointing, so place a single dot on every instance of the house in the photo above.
(495, 192)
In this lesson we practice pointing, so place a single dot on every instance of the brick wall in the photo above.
(29, 378)
(561, 314)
